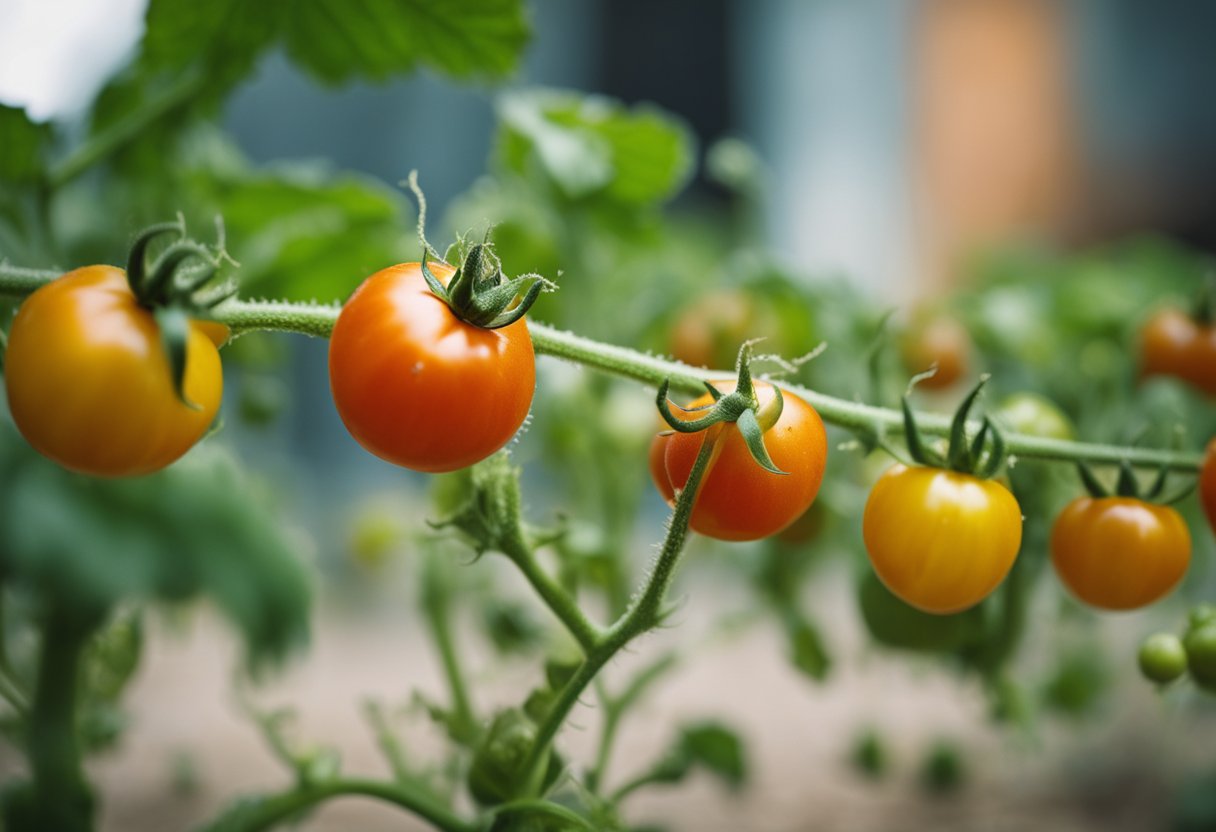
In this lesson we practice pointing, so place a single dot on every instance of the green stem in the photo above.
(271, 811)
(61, 798)
(387, 740)
(125, 130)
(616, 707)
(555, 597)
(636, 783)
(645, 613)
(874, 422)
(437, 608)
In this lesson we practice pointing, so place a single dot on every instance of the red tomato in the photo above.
(1207, 484)
(89, 384)
(1173, 344)
(738, 499)
(1119, 553)
(419, 387)
(658, 467)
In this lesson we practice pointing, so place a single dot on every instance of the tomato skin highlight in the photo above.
(940, 540)
(88, 382)
(1119, 553)
(1174, 344)
(738, 500)
(417, 386)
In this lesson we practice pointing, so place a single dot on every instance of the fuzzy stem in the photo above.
(878, 422)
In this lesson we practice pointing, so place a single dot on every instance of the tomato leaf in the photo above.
(336, 40)
(24, 144)
(593, 146)
(718, 749)
(807, 651)
(196, 528)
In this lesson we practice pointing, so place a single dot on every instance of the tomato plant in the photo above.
(740, 500)
(90, 385)
(1119, 553)
(1173, 343)
(418, 386)
(940, 540)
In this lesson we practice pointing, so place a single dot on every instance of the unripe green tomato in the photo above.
(1200, 615)
(1035, 415)
(494, 775)
(1200, 644)
(1162, 658)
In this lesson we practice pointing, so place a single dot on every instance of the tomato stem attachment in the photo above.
(1126, 485)
(741, 406)
(964, 455)
(478, 292)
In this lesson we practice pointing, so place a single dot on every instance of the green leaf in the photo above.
(24, 145)
(336, 40)
(594, 146)
(112, 657)
(806, 648)
(718, 749)
(196, 528)
(302, 232)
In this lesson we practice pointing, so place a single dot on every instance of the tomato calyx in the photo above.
(741, 406)
(981, 455)
(1128, 486)
(171, 287)
(478, 293)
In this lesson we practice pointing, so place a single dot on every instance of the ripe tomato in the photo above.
(1207, 484)
(419, 387)
(1119, 553)
(1173, 344)
(657, 460)
(942, 341)
(738, 499)
(940, 540)
(89, 384)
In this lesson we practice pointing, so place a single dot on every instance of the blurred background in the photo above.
(1037, 174)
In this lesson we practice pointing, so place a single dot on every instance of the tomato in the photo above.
(1035, 415)
(1162, 658)
(1200, 644)
(657, 460)
(1207, 484)
(942, 341)
(708, 332)
(1119, 553)
(940, 540)
(89, 384)
(419, 387)
(1173, 344)
(739, 500)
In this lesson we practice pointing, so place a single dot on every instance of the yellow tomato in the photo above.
(89, 384)
(941, 540)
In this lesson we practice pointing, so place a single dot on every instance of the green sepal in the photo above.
(714, 392)
(137, 257)
(1092, 485)
(174, 326)
(753, 437)
(920, 453)
(679, 425)
(996, 454)
(1126, 486)
(1204, 311)
(976, 449)
(957, 456)
(1179, 495)
(160, 285)
(1158, 485)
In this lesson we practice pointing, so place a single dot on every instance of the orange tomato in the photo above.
(1207, 484)
(417, 386)
(941, 341)
(739, 500)
(1173, 344)
(1119, 553)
